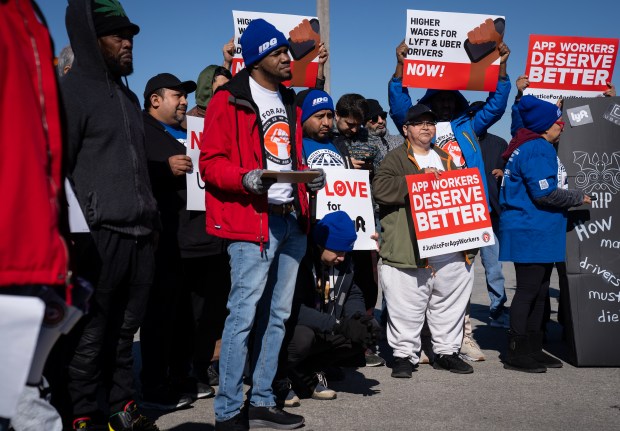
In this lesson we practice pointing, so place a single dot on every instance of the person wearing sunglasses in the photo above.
(376, 124)
(532, 230)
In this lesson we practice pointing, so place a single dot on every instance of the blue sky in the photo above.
(183, 36)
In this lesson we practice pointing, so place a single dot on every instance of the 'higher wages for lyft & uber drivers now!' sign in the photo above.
(450, 213)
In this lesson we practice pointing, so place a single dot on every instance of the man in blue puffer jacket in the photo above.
(457, 133)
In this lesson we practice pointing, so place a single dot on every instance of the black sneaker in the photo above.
(86, 423)
(194, 388)
(273, 417)
(452, 363)
(284, 395)
(373, 359)
(165, 399)
(130, 419)
(213, 375)
(236, 423)
(402, 368)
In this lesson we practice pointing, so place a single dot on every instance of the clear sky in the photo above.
(184, 36)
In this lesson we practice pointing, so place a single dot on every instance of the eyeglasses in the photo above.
(423, 123)
(561, 124)
(375, 118)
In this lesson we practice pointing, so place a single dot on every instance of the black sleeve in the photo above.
(562, 198)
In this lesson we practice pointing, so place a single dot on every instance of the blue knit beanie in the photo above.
(335, 232)
(538, 115)
(259, 39)
(315, 101)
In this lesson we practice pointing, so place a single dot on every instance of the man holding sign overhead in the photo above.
(457, 132)
(252, 124)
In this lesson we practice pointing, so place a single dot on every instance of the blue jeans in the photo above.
(262, 287)
(495, 278)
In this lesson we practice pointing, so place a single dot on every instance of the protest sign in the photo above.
(348, 190)
(195, 185)
(450, 213)
(590, 153)
(77, 222)
(563, 67)
(452, 51)
(303, 35)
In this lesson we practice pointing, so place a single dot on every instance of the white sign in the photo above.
(77, 222)
(20, 320)
(452, 51)
(303, 34)
(348, 190)
(195, 185)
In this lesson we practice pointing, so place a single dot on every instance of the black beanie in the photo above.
(110, 17)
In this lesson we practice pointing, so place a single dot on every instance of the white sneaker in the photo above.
(503, 321)
(470, 350)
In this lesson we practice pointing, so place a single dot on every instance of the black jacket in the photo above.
(182, 229)
(492, 147)
(106, 160)
(309, 307)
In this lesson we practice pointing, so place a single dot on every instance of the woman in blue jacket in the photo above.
(532, 229)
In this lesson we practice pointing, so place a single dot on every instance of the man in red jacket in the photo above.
(252, 125)
(35, 295)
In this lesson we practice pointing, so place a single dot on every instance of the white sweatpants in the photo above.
(413, 293)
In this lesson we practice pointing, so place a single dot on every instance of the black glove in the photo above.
(253, 182)
(318, 183)
(354, 329)
(374, 330)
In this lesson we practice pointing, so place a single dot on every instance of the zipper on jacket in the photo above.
(262, 237)
(470, 141)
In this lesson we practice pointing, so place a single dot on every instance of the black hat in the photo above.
(375, 108)
(417, 111)
(110, 17)
(167, 80)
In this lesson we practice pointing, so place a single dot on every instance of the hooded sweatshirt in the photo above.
(204, 91)
(106, 159)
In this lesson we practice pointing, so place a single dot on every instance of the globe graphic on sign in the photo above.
(325, 158)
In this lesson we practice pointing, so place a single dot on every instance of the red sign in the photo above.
(450, 213)
(570, 63)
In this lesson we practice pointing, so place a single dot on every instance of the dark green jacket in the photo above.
(398, 241)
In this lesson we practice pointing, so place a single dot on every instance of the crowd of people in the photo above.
(254, 290)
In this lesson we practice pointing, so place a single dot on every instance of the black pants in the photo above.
(364, 276)
(528, 304)
(121, 269)
(166, 335)
(208, 280)
(309, 351)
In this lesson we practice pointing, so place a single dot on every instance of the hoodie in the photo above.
(106, 159)
(204, 91)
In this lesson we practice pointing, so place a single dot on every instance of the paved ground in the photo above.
(489, 399)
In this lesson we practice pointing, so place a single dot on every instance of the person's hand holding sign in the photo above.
(228, 52)
(401, 53)
(300, 34)
(180, 164)
(611, 90)
(435, 171)
(323, 56)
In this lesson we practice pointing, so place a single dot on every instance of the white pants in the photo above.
(413, 293)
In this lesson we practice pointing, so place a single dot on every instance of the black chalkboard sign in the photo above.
(590, 150)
